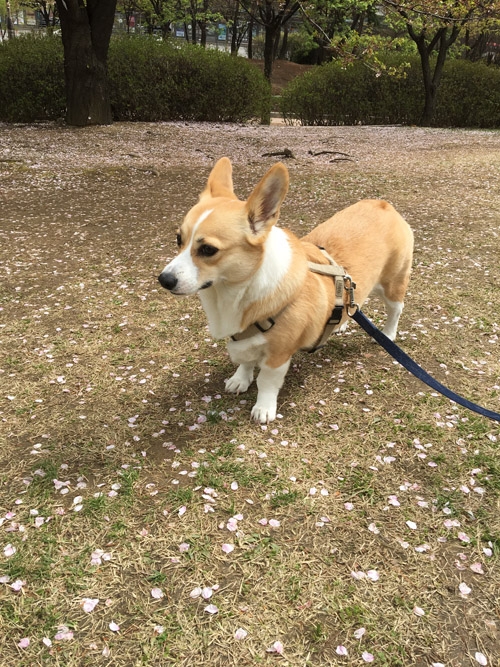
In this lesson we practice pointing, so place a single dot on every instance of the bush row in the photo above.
(149, 80)
(469, 95)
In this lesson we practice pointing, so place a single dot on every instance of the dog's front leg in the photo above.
(269, 382)
(241, 380)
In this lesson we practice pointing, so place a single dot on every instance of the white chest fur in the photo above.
(224, 303)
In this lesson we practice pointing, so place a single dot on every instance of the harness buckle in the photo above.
(349, 285)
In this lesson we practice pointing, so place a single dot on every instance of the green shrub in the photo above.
(152, 80)
(149, 81)
(333, 94)
(31, 79)
(469, 95)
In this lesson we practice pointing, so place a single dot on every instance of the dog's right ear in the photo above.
(220, 181)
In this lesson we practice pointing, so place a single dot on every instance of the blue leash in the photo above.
(410, 365)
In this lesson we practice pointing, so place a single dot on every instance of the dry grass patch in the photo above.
(144, 519)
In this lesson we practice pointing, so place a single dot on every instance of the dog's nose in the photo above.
(167, 280)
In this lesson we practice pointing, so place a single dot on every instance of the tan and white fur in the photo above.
(246, 269)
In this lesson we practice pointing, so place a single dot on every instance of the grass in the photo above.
(125, 468)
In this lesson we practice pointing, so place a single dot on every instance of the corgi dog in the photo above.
(254, 279)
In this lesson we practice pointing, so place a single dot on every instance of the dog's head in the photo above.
(221, 237)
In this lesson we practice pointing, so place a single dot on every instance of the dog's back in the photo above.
(374, 244)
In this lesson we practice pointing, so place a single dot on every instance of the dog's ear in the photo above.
(220, 181)
(263, 205)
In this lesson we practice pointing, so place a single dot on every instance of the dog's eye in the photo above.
(178, 239)
(206, 250)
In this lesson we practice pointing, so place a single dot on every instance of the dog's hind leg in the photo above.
(269, 382)
(393, 293)
(394, 310)
(241, 380)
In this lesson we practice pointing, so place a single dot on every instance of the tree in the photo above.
(86, 27)
(333, 23)
(273, 15)
(434, 26)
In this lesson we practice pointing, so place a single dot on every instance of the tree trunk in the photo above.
(250, 39)
(431, 78)
(284, 44)
(86, 31)
(272, 30)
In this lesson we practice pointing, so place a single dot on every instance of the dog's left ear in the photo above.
(263, 205)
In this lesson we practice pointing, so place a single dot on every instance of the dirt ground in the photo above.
(99, 367)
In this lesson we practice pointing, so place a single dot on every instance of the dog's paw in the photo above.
(264, 413)
(239, 382)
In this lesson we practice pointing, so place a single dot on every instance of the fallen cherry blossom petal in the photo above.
(477, 568)
(463, 537)
(277, 647)
(47, 642)
(240, 634)
(24, 643)
(157, 593)
(63, 633)
(89, 604)
(464, 589)
(9, 551)
(373, 575)
(183, 547)
(211, 609)
(412, 525)
(341, 650)
(418, 611)
(195, 593)
(367, 657)
(227, 548)
(17, 585)
(274, 523)
(114, 627)
(206, 593)
(481, 658)
(359, 632)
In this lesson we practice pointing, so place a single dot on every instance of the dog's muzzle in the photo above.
(167, 280)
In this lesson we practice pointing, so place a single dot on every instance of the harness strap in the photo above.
(331, 269)
(255, 328)
(338, 274)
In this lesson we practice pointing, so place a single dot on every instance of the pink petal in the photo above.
(464, 589)
(227, 548)
(240, 634)
(481, 658)
(367, 657)
(24, 643)
(359, 632)
(274, 523)
(418, 611)
(114, 627)
(89, 604)
(277, 647)
(477, 568)
(211, 609)
(183, 547)
(157, 593)
(341, 650)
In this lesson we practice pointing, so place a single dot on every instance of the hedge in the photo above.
(469, 95)
(149, 80)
